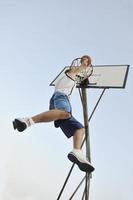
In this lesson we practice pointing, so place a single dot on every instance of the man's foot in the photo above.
(77, 157)
(21, 124)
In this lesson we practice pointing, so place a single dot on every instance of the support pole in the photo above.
(63, 187)
(86, 124)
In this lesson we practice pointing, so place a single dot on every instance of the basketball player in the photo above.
(60, 112)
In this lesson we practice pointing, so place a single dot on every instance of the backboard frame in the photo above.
(95, 68)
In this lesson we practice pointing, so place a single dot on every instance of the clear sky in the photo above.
(37, 39)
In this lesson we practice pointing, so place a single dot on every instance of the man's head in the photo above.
(86, 60)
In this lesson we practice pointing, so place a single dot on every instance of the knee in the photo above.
(65, 115)
(82, 130)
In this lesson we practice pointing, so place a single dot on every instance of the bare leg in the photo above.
(78, 138)
(76, 156)
(51, 115)
(22, 123)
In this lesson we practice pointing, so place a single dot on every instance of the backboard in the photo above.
(103, 76)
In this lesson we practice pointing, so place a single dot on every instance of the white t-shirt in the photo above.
(65, 85)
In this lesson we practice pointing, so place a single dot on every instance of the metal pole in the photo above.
(77, 188)
(83, 195)
(58, 198)
(65, 182)
(86, 124)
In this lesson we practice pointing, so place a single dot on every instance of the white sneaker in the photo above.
(77, 157)
(21, 124)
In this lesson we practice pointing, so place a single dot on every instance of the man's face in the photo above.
(86, 62)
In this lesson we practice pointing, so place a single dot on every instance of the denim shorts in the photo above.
(68, 126)
(60, 101)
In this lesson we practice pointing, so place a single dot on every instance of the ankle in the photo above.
(31, 121)
(28, 120)
(76, 150)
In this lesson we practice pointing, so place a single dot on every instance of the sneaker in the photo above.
(78, 158)
(21, 124)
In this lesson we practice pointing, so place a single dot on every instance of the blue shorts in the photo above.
(68, 126)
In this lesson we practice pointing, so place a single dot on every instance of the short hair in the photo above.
(86, 56)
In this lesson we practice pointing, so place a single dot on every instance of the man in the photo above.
(60, 112)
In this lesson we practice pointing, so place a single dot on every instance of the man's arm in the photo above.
(76, 70)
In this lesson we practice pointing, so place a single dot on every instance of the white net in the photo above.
(85, 74)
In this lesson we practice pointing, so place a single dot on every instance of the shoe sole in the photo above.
(20, 126)
(14, 125)
(82, 166)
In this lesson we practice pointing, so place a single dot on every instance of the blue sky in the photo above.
(37, 39)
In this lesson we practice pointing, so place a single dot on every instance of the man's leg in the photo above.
(22, 123)
(72, 127)
(78, 138)
(76, 155)
(51, 115)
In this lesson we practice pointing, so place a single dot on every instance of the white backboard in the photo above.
(104, 76)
